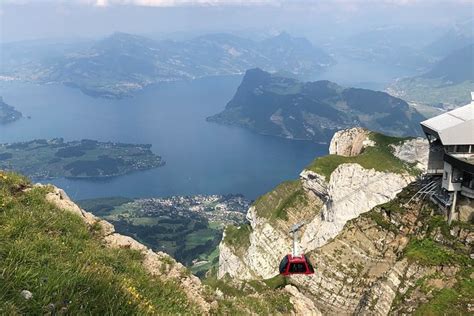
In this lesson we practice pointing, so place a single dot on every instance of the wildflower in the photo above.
(26, 294)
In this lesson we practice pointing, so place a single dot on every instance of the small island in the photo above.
(47, 159)
(8, 114)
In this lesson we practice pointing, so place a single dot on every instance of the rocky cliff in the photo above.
(57, 258)
(156, 263)
(350, 142)
(359, 248)
(326, 204)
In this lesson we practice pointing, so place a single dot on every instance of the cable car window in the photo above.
(297, 268)
(283, 264)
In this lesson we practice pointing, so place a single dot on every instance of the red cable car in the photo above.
(294, 263)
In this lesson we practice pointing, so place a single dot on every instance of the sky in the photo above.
(317, 19)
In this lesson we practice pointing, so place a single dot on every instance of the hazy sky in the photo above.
(35, 19)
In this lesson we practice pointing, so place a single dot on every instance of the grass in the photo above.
(430, 253)
(199, 237)
(249, 297)
(212, 263)
(381, 221)
(54, 255)
(379, 157)
(238, 237)
(276, 282)
(275, 204)
(451, 301)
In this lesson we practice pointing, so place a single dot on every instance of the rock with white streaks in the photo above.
(350, 142)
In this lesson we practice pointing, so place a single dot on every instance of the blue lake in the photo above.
(201, 157)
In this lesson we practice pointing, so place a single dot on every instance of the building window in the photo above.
(462, 148)
(445, 175)
(468, 180)
(449, 149)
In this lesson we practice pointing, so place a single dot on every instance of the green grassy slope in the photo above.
(53, 254)
(378, 157)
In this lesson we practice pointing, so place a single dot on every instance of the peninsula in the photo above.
(55, 158)
(8, 113)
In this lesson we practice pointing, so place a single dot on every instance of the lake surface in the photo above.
(363, 74)
(201, 157)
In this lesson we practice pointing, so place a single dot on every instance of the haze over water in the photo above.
(201, 157)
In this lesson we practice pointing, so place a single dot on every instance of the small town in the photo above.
(221, 209)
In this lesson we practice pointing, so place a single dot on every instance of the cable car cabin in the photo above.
(295, 265)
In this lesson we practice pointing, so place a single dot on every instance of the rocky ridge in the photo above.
(328, 205)
(350, 142)
(360, 235)
(156, 263)
(168, 269)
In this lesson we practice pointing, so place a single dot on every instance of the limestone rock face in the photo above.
(465, 209)
(315, 183)
(415, 150)
(352, 190)
(268, 245)
(301, 304)
(350, 142)
(355, 260)
(358, 256)
(231, 264)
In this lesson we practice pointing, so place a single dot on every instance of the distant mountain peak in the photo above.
(271, 104)
(121, 64)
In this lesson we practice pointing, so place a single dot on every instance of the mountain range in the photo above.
(455, 37)
(274, 105)
(122, 63)
(447, 84)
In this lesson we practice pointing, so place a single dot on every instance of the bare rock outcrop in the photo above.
(230, 263)
(156, 263)
(351, 191)
(315, 183)
(301, 304)
(414, 150)
(356, 260)
(350, 142)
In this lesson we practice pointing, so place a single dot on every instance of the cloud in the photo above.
(172, 3)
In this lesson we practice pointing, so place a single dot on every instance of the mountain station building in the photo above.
(451, 155)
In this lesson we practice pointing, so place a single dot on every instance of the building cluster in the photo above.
(221, 209)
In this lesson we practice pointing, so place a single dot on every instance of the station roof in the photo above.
(455, 127)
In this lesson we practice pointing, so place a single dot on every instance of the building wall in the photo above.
(451, 174)
(435, 159)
